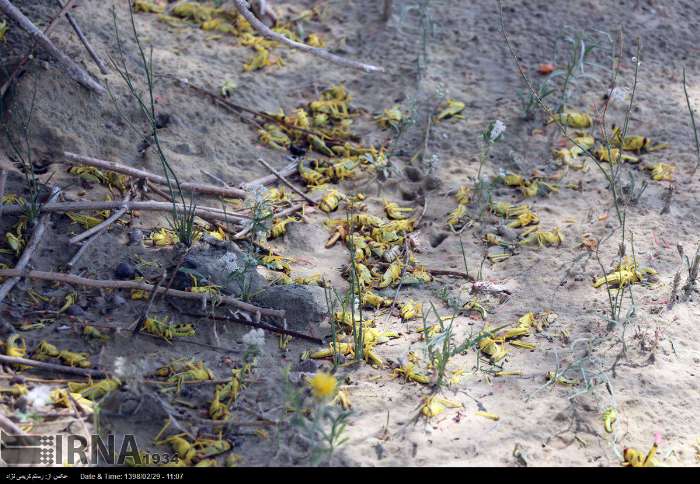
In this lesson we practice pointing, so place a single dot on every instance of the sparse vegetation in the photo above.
(473, 232)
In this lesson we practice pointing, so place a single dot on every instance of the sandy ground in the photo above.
(453, 49)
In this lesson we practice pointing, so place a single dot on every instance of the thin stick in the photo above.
(445, 272)
(3, 182)
(23, 379)
(99, 228)
(214, 177)
(242, 7)
(228, 422)
(692, 122)
(252, 324)
(84, 40)
(75, 159)
(71, 68)
(144, 314)
(29, 250)
(9, 426)
(18, 69)
(159, 192)
(203, 212)
(237, 108)
(440, 272)
(287, 182)
(113, 284)
(14, 360)
(386, 14)
(288, 170)
(79, 253)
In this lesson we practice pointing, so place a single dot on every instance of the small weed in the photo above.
(182, 222)
(321, 428)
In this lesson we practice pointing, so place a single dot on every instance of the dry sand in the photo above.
(648, 370)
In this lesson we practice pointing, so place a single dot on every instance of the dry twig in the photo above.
(84, 39)
(112, 284)
(288, 170)
(287, 182)
(242, 7)
(204, 212)
(9, 426)
(29, 250)
(101, 227)
(14, 360)
(71, 68)
(75, 159)
(3, 182)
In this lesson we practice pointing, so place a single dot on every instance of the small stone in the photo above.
(75, 311)
(118, 300)
(162, 120)
(413, 173)
(124, 271)
(306, 366)
(224, 266)
(432, 183)
(438, 238)
(135, 237)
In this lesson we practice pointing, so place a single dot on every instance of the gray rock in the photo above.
(413, 174)
(226, 266)
(306, 366)
(507, 233)
(304, 305)
(302, 236)
(135, 237)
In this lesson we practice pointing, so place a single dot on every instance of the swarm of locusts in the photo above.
(221, 22)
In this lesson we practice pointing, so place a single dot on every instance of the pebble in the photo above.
(75, 310)
(135, 237)
(124, 270)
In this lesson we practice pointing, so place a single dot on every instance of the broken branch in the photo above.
(242, 7)
(104, 225)
(203, 212)
(286, 182)
(71, 68)
(113, 284)
(29, 250)
(14, 360)
(75, 159)
(83, 39)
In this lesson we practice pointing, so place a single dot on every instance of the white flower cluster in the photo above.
(120, 367)
(497, 130)
(617, 94)
(230, 262)
(39, 396)
(254, 337)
